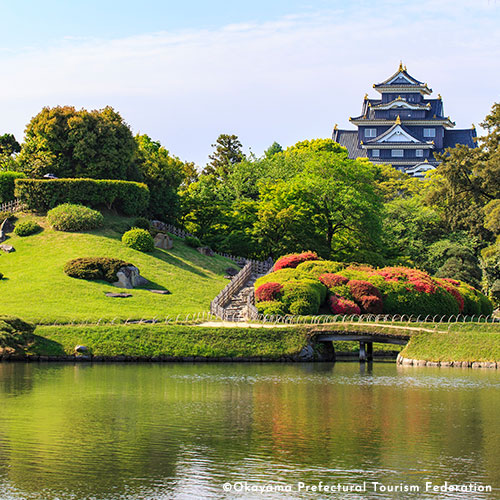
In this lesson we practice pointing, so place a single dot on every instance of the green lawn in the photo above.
(170, 340)
(36, 289)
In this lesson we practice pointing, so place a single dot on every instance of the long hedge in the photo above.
(7, 180)
(40, 195)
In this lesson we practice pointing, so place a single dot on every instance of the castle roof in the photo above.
(349, 139)
(461, 136)
(404, 81)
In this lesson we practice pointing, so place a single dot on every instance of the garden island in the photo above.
(112, 248)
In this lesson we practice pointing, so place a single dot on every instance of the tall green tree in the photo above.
(228, 152)
(8, 148)
(68, 143)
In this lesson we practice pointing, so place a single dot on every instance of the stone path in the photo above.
(236, 308)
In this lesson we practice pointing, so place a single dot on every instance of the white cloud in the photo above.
(284, 80)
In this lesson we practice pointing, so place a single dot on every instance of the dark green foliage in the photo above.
(192, 241)
(130, 198)
(94, 144)
(139, 239)
(27, 228)
(1, 276)
(6, 215)
(95, 268)
(7, 185)
(15, 335)
(68, 217)
(227, 153)
(142, 223)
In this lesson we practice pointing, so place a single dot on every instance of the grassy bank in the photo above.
(170, 340)
(36, 289)
(462, 343)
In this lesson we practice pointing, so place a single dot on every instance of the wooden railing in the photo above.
(11, 206)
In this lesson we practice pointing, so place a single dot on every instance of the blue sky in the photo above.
(184, 72)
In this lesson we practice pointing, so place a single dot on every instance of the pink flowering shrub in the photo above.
(371, 304)
(330, 280)
(268, 292)
(294, 259)
(360, 288)
(339, 305)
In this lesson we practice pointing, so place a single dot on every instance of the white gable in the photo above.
(400, 75)
(398, 135)
(420, 170)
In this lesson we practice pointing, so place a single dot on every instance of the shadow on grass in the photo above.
(46, 347)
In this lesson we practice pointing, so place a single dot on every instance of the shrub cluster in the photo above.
(95, 268)
(294, 259)
(139, 239)
(192, 241)
(7, 185)
(27, 228)
(130, 198)
(68, 217)
(268, 291)
(355, 289)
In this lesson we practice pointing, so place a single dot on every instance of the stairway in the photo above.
(235, 309)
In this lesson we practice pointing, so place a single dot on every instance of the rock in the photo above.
(164, 241)
(129, 277)
(111, 294)
(7, 248)
(83, 349)
(206, 251)
(231, 271)
(161, 292)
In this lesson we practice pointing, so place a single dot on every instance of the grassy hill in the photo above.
(35, 287)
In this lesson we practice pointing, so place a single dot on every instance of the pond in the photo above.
(257, 430)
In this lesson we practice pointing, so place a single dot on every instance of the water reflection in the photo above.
(159, 431)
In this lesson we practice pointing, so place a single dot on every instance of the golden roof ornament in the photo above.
(401, 66)
(473, 127)
(439, 96)
(336, 127)
(398, 120)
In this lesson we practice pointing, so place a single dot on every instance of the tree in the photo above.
(8, 148)
(163, 175)
(228, 152)
(273, 149)
(68, 143)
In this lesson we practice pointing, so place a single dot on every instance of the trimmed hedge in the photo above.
(40, 195)
(68, 217)
(139, 239)
(95, 268)
(7, 185)
(318, 267)
(27, 228)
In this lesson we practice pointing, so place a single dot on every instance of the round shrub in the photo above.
(339, 305)
(451, 286)
(282, 276)
(371, 304)
(302, 307)
(330, 279)
(95, 268)
(192, 241)
(360, 288)
(271, 308)
(268, 291)
(139, 239)
(27, 228)
(309, 291)
(294, 259)
(317, 267)
(68, 217)
(142, 223)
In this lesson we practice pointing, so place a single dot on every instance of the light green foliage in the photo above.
(68, 217)
(139, 239)
(27, 228)
(271, 308)
(490, 264)
(315, 268)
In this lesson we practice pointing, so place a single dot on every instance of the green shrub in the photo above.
(27, 228)
(302, 307)
(304, 290)
(68, 217)
(130, 198)
(139, 239)
(142, 223)
(271, 308)
(282, 276)
(7, 185)
(192, 241)
(317, 267)
(95, 268)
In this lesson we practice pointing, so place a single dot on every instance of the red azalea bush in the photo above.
(419, 279)
(294, 259)
(330, 280)
(371, 304)
(339, 305)
(268, 291)
(450, 287)
(360, 288)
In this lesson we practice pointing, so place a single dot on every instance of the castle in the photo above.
(402, 127)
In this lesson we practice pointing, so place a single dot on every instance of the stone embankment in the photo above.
(456, 364)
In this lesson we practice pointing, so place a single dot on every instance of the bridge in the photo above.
(329, 334)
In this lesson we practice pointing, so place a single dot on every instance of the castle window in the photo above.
(429, 132)
(397, 153)
(419, 153)
(370, 132)
(375, 153)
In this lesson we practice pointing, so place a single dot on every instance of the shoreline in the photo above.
(400, 360)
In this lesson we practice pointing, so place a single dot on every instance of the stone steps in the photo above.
(235, 308)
